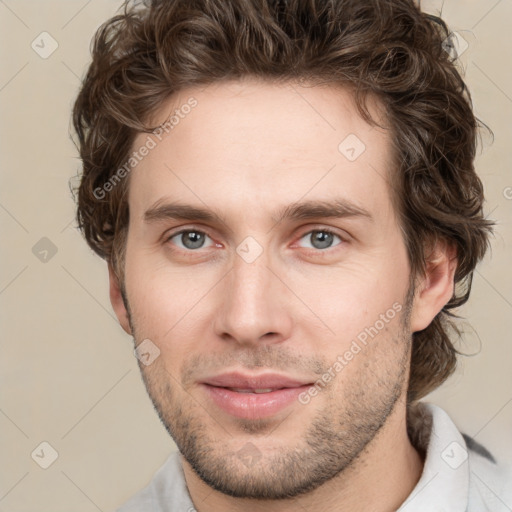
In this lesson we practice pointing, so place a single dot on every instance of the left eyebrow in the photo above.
(337, 208)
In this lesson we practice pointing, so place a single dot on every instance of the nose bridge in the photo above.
(253, 302)
(249, 282)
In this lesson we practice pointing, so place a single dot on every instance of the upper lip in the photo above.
(239, 380)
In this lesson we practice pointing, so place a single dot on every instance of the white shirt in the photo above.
(459, 475)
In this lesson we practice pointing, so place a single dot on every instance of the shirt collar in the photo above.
(445, 477)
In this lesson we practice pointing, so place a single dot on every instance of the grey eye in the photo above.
(189, 239)
(320, 239)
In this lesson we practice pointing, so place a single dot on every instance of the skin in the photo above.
(248, 149)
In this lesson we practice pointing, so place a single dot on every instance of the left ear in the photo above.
(437, 286)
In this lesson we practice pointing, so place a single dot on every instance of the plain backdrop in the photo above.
(69, 377)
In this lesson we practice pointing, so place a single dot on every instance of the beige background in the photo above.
(68, 372)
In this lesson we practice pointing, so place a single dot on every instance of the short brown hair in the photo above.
(387, 48)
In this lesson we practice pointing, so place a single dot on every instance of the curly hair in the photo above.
(389, 49)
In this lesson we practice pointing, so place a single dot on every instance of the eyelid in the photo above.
(170, 233)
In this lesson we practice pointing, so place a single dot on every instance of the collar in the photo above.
(445, 477)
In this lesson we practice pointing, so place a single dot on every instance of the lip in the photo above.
(253, 405)
(244, 381)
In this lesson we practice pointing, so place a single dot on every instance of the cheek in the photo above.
(165, 301)
(160, 311)
(351, 297)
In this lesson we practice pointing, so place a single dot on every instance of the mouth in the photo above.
(253, 397)
(268, 390)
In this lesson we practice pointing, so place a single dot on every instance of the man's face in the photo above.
(269, 296)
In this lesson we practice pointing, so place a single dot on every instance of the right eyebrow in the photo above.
(178, 211)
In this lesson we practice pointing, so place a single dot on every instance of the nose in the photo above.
(255, 304)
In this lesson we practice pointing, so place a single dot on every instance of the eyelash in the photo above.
(329, 231)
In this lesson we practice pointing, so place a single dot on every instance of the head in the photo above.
(286, 187)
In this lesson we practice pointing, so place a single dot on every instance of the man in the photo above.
(285, 195)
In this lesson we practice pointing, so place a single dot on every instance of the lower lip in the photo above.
(253, 405)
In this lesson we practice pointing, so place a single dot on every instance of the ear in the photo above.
(437, 286)
(116, 299)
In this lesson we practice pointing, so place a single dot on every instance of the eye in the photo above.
(190, 239)
(320, 239)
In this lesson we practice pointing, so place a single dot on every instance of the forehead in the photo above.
(264, 143)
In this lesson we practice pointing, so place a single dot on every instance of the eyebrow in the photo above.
(337, 208)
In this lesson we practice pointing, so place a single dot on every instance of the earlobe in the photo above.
(116, 299)
(437, 286)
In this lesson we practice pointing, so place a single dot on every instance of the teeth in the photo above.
(266, 390)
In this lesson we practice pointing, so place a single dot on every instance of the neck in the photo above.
(380, 479)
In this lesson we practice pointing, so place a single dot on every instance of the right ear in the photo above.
(116, 299)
